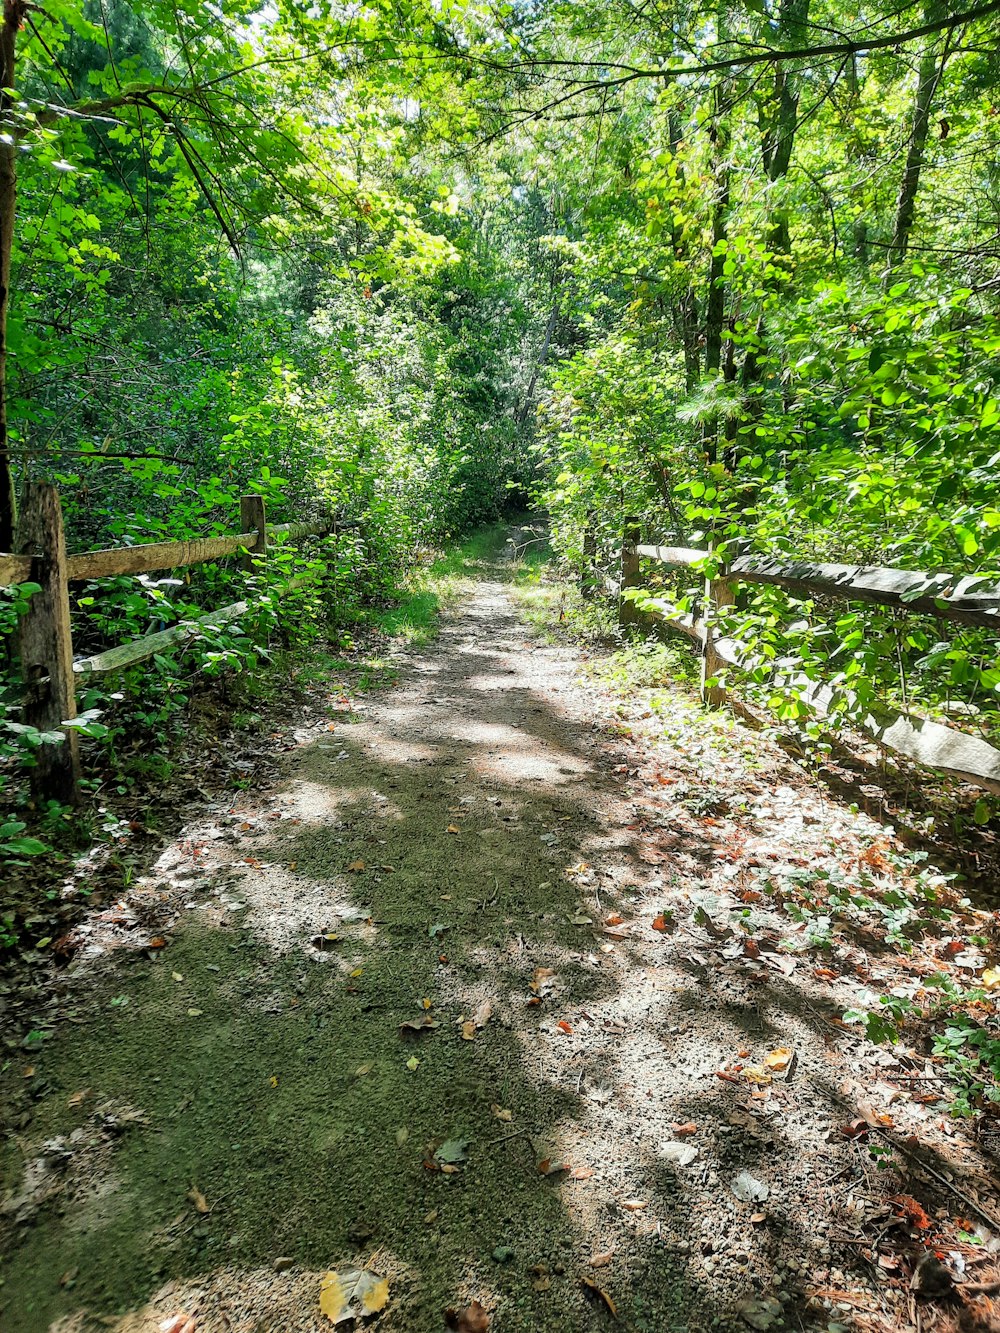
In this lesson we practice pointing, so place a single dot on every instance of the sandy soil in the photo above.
(632, 1102)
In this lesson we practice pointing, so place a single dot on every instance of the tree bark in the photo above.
(929, 75)
(13, 17)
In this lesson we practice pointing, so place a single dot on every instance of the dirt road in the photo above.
(464, 997)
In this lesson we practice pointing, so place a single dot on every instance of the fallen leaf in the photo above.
(362, 1070)
(413, 1064)
(614, 920)
(991, 978)
(541, 980)
(599, 1291)
(452, 1151)
(356, 866)
(421, 1024)
(779, 1059)
(178, 1323)
(500, 1114)
(436, 930)
(660, 923)
(748, 1189)
(453, 828)
(601, 1260)
(194, 1013)
(478, 1020)
(914, 1212)
(426, 1004)
(854, 1129)
(199, 1200)
(79, 1097)
(355, 1293)
(401, 1136)
(681, 1153)
(760, 1312)
(157, 942)
(475, 1318)
(756, 1074)
(547, 1167)
(635, 1205)
(563, 1026)
(686, 1130)
(581, 1173)
(176, 976)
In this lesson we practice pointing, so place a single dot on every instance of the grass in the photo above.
(432, 587)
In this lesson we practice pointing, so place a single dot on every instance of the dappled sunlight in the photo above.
(455, 933)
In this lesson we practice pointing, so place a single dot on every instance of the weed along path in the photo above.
(490, 996)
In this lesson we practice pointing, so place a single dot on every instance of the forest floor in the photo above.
(503, 990)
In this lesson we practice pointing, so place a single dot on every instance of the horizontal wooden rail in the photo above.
(969, 599)
(146, 557)
(51, 677)
(966, 598)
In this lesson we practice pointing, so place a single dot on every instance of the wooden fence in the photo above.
(967, 599)
(49, 673)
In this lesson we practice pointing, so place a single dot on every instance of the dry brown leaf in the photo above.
(635, 1205)
(475, 1318)
(686, 1130)
(356, 865)
(601, 1260)
(478, 1020)
(563, 1026)
(79, 1097)
(581, 1173)
(547, 1167)
(421, 1024)
(779, 1059)
(198, 1199)
(178, 1323)
(599, 1291)
(453, 828)
(541, 980)
(499, 1113)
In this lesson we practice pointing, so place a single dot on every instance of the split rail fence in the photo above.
(49, 673)
(966, 599)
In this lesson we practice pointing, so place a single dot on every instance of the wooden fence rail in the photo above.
(49, 674)
(967, 599)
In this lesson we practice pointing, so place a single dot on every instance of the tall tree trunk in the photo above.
(929, 74)
(529, 395)
(778, 129)
(715, 301)
(13, 17)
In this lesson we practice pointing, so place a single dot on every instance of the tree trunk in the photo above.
(715, 301)
(13, 17)
(929, 76)
(550, 327)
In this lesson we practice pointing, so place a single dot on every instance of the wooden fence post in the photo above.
(627, 614)
(719, 594)
(46, 644)
(588, 571)
(253, 517)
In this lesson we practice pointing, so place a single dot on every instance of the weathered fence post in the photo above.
(627, 614)
(46, 644)
(719, 593)
(588, 571)
(253, 517)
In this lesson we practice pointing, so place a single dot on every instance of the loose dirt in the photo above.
(562, 890)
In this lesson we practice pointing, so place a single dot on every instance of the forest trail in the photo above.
(561, 891)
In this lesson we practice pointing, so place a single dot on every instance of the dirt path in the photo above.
(492, 849)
